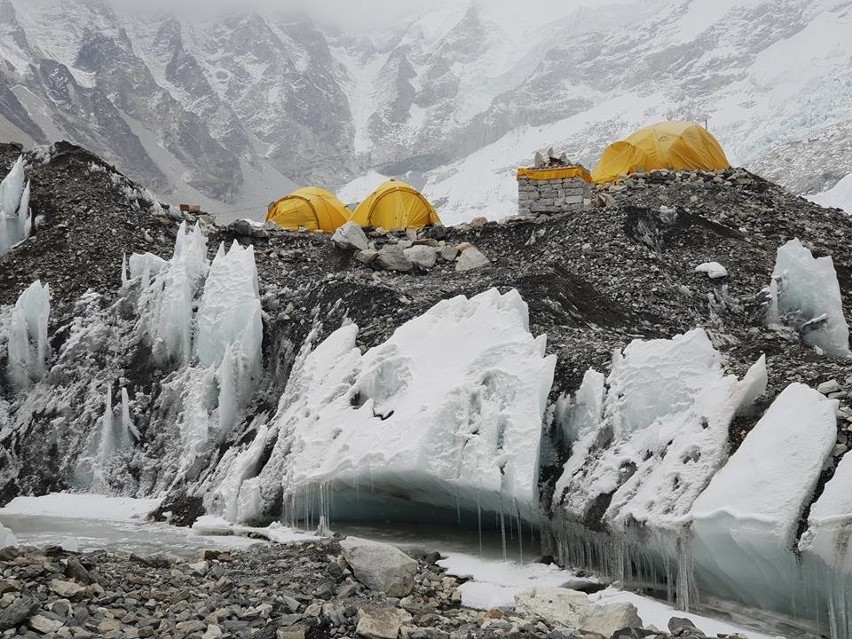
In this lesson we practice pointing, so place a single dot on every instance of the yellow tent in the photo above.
(395, 205)
(667, 145)
(312, 208)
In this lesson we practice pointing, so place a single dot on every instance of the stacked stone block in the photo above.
(536, 196)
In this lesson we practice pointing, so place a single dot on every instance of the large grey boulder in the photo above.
(381, 622)
(380, 567)
(391, 258)
(350, 236)
(471, 258)
(606, 620)
(423, 257)
(559, 607)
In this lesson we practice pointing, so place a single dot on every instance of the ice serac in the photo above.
(447, 414)
(27, 345)
(166, 306)
(745, 522)
(641, 451)
(805, 295)
(15, 222)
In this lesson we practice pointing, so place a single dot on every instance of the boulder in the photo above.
(683, 627)
(350, 236)
(367, 256)
(559, 607)
(449, 253)
(423, 257)
(380, 567)
(391, 258)
(15, 614)
(606, 620)
(381, 622)
(471, 258)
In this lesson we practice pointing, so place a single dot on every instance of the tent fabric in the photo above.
(666, 145)
(555, 173)
(395, 205)
(312, 208)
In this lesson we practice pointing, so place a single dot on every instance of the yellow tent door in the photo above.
(666, 145)
(311, 208)
(395, 205)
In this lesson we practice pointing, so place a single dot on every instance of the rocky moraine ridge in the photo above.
(593, 280)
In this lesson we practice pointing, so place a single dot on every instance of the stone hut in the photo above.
(553, 189)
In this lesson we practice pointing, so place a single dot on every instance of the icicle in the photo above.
(27, 343)
(106, 446)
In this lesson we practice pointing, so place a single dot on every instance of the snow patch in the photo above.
(82, 506)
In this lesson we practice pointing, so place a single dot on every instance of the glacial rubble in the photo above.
(580, 371)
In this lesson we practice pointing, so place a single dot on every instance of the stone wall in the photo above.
(536, 196)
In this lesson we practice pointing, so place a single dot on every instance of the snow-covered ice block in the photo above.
(145, 266)
(28, 346)
(661, 434)
(805, 294)
(745, 522)
(447, 412)
(830, 521)
(7, 537)
(714, 270)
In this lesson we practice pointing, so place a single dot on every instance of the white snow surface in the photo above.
(447, 412)
(28, 343)
(839, 196)
(665, 415)
(82, 506)
(805, 294)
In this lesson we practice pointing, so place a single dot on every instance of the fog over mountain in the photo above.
(232, 104)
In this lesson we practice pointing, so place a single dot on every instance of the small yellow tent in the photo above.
(395, 205)
(312, 208)
(667, 145)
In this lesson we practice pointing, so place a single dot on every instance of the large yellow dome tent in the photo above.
(395, 205)
(312, 208)
(666, 145)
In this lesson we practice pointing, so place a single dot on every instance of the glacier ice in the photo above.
(7, 537)
(642, 448)
(27, 343)
(745, 522)
(805, 295)
(167, 304)
(446, 413)
(15, 221)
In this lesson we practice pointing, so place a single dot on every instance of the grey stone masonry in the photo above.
(536, 197)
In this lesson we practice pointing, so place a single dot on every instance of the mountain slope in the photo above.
(219, 108)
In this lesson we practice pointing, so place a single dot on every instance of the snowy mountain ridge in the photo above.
(232, 110)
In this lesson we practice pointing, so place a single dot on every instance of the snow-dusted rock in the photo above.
(471, 258)
(423, 257)
(714, 270)
(27, 345)
(380, 567)
(350, 236)
(605, 620)
(559, 607)
(805, 294)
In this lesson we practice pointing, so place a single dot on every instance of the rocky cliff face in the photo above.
(221, 109)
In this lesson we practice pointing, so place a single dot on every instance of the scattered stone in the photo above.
(606, 620)
(831, 386)
(423, 257)
(351, 237)
(680, 626)
(448, 253)
(471, 258)
(380, 567)
(559, 607)
(297, 631)
(17, 613)
(44, 625)
(381, 622)
(67, 589)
